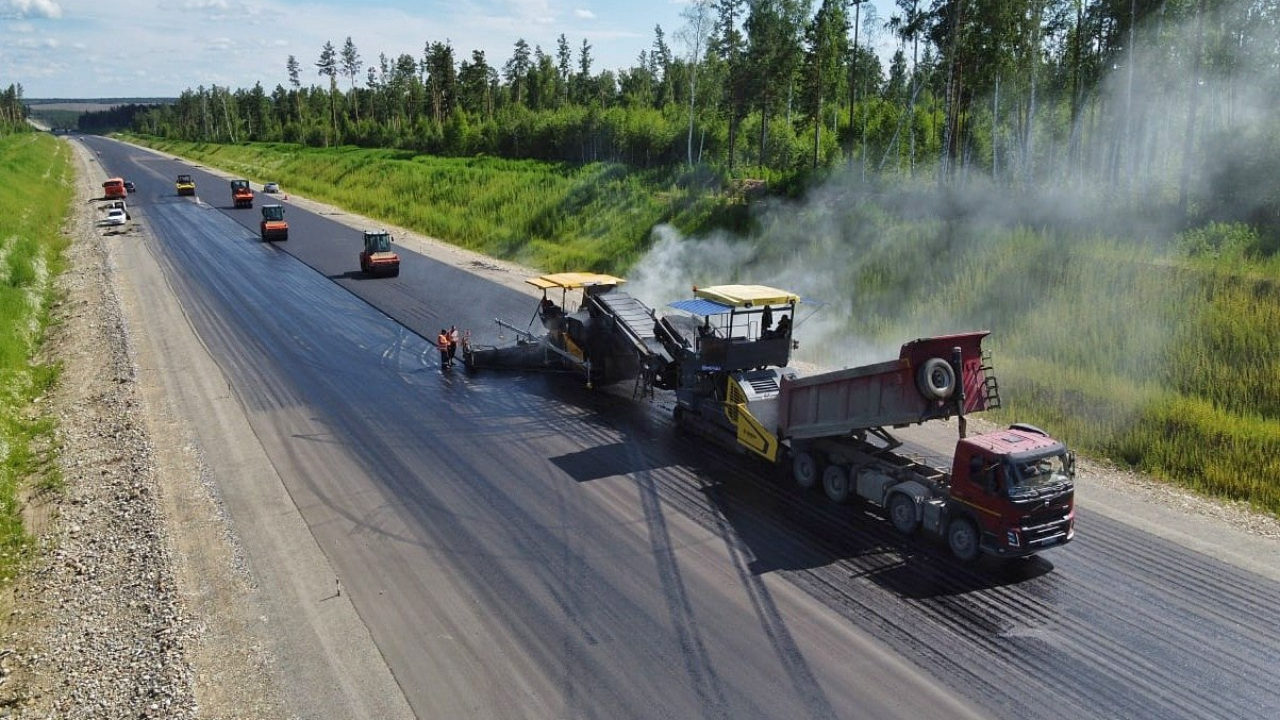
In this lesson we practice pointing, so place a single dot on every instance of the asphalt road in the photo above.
(517, 546)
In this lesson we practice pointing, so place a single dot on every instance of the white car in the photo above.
(271, 188)
(117, 216)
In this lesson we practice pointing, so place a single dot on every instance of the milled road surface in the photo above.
(431, 543)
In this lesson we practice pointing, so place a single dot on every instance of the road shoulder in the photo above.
(151, 595)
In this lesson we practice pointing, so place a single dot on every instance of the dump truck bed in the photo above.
(886, 394)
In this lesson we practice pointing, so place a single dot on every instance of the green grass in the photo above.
(550, 216)
(39, 191)
(1161, 354)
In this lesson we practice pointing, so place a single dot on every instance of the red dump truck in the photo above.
(114, 189)
(1008, 493)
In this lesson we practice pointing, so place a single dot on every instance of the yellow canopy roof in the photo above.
(746, 295)
(573, 280)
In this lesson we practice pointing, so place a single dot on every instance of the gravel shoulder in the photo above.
(99, 627)
(141, 601)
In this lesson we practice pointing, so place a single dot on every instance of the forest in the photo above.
(1152, 102)
(13, 115)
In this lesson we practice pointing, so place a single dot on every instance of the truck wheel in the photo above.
(902, 513)
(806, 469)
(835, 483)
(936, 380)
(962, 538)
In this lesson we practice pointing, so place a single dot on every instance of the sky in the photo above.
(158, 48)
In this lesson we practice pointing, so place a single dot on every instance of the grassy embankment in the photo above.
(1128, 351)
(550, 216)
(39, 189)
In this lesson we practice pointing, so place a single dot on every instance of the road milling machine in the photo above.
(591, 327)
(726, 353)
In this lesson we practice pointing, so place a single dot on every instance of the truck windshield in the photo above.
(379, 243)
(1031, 476)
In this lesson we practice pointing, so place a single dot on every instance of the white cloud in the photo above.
(35, 8)
(220, 44)
(224, 11)
(38, 43)
(584, 14)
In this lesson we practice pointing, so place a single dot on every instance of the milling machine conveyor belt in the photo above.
(634, 319)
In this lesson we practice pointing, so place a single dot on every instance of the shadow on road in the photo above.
(353, 275)
(780, 527)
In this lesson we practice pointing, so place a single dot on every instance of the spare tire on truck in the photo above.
(936, 379)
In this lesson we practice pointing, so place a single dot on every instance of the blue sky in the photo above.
(145, 48)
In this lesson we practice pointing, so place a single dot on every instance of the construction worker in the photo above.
(453, 342)
(442, 343)
(465, 345)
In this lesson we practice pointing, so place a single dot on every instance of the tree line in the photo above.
(13, 114)
(1129, 95)
(111, 119)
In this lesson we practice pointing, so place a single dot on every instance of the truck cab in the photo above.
(113, 189)
(1016, 488)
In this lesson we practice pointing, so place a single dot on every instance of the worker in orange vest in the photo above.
(442, 343)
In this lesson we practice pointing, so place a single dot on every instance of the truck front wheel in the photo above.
(962, 538)
(902, 513)
(835, 483)
(806, 469)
